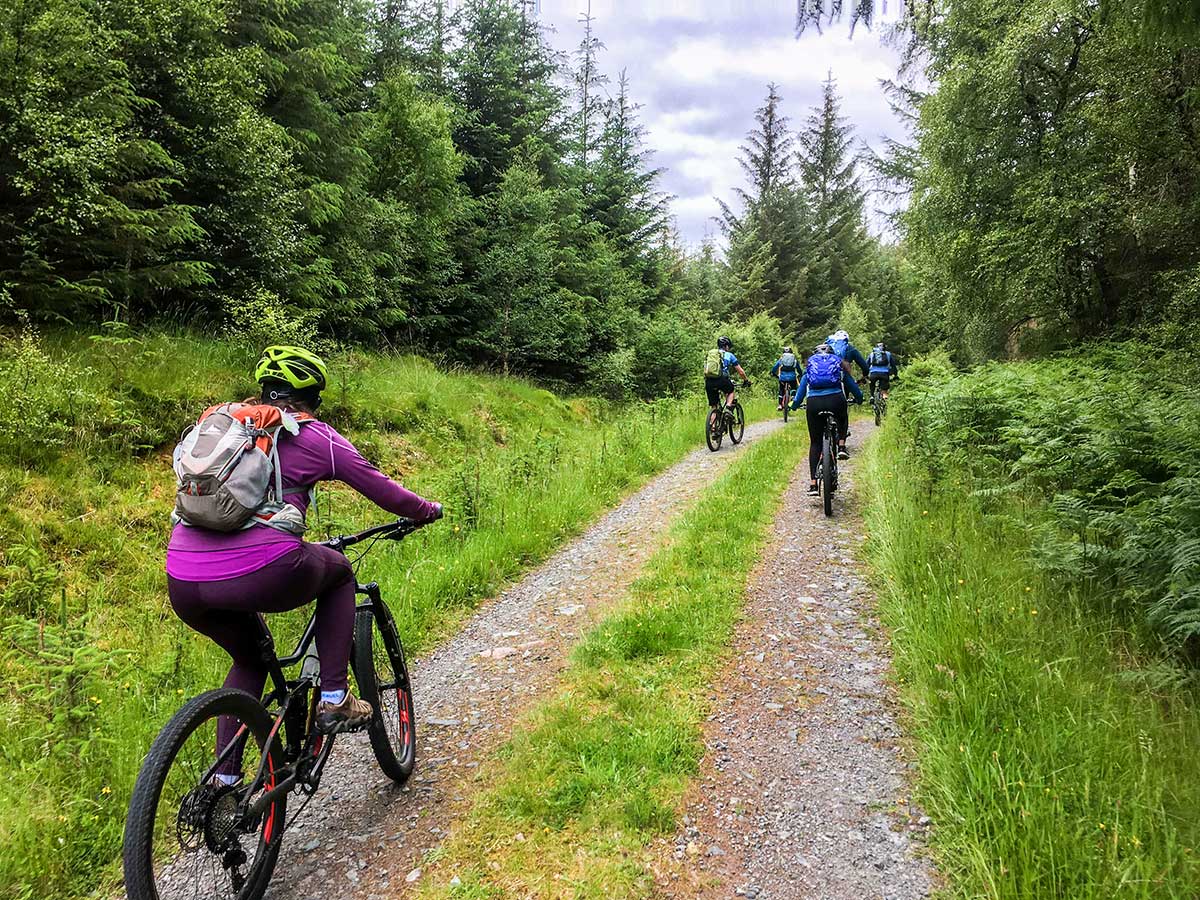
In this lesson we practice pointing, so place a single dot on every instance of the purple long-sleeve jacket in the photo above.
(317, 453)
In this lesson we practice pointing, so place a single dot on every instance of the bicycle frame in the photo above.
(301, 743)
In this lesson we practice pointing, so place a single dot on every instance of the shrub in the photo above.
(1107, 443)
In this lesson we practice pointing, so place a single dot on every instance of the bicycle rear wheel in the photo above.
(828, 473)
(877, 402)
(713, 430)
(787, 402)
(738, 426)
(383, 680)
(182, 835)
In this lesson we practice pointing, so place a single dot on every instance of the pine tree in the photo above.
(830, 184)
(90, 217)
(588, 81)
(768, 237)
(626, 200)
(503, 83)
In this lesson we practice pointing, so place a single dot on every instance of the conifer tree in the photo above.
(829, 181)
(588, 83)
(768, 236)
(504, 86)
(626, 200)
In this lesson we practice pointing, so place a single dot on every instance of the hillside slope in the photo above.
(93, 658)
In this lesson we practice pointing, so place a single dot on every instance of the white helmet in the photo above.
(840, 336)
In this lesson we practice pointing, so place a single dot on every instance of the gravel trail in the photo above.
(361, 836)
(802, 791)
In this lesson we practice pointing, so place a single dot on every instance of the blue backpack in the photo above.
(841, 348)
(824, 370)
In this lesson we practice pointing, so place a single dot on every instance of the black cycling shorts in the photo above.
(715, 386)
(885, 381)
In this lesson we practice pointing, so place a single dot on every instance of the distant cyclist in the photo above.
(822, 383)
(883, 368)
(839, 342)
(787, 370)
(717, 366)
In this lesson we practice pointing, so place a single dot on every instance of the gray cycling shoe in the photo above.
(349, 715)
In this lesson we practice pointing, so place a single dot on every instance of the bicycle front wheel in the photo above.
(382, 677)
(183, 836)
(737, 427)
(713, 430)
(828, 473)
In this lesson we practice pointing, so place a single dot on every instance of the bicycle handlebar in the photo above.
(391, 531)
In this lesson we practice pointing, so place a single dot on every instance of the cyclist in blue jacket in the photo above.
(839, 341)
(883, 368)
(822, 383)
(786, 369)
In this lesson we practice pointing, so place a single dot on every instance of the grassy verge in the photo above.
(590, 776)
(1052, 766)
(92, 658)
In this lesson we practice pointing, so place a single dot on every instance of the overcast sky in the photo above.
(700, 69)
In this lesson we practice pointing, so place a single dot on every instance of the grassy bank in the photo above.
(590, 776)
(94, 661)
(1056, 724)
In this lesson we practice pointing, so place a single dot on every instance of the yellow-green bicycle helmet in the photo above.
(294, 365)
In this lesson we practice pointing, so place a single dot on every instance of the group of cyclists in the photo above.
(221, 577)
(824, 383)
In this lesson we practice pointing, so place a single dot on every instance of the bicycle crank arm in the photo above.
(313, 776)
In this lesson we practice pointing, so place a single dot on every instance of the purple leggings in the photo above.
(224, 610)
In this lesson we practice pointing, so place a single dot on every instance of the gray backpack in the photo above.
(788, 363)
(227, 470)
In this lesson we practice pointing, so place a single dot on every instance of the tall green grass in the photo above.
(94, 661)
(591, 776)
(1109, 437)
(1053, 762)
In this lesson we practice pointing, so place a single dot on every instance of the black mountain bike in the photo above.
(786, 388)
(878, 402)
(725, 419)
(827, 468)
(189, 835)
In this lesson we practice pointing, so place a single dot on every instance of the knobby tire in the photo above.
(714, 429)
(141, 856)
(828, 473)
(382, 675)
(738, 428)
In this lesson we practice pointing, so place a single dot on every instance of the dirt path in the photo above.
(361, 836)
(802, 791)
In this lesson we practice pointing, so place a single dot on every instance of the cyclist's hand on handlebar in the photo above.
(438, 512)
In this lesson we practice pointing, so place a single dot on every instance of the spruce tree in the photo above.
(768, 237)
(503, 83)
(588, 82)
(829, 181)
(626, 200)
(90, 218)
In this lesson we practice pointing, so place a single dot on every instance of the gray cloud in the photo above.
(700, 69)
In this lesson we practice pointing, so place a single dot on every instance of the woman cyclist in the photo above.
(217, 582)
